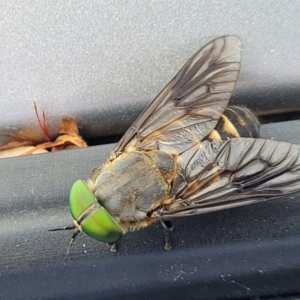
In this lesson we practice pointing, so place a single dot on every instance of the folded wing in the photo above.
(215, 175)
(189, 107)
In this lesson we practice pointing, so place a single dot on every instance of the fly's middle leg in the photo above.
(168, 227)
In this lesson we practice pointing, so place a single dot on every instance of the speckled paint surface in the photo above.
(102, 62)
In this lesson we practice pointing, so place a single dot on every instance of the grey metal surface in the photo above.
(235, 254)
(104, 61)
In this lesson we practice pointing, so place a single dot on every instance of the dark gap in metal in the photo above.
(291, 116)
(103, 140)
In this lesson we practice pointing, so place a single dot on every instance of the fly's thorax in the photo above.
(165, 162)
(132, 185)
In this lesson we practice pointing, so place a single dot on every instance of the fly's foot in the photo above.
(113, 247)
(168, 244)
(167, 226)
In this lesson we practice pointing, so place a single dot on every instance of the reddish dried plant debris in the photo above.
(27, 142)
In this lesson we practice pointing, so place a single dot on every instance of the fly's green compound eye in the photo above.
(81, 198)
(100, 226)
(96, 221)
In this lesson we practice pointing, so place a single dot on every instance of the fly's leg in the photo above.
(168, 227)
(113, 247)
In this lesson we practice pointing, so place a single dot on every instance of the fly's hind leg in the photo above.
(168, 227)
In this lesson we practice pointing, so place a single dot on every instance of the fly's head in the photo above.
(90, 217)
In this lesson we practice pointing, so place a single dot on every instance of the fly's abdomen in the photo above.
(235, 122)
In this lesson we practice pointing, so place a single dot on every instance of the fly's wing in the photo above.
(189, 107)
(215, 175)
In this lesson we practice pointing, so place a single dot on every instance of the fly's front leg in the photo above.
(113, 247)
(167, 226)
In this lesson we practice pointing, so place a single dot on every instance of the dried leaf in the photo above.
(62, 142)
(68, 126)
(25, 135)
(27, 142)
(43, 125)
(18, 151)
(14, 144)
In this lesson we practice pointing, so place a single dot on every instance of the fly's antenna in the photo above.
(75, 233)
(63, 228)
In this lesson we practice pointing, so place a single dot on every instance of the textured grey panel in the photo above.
(232, 254)
(104, 61)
